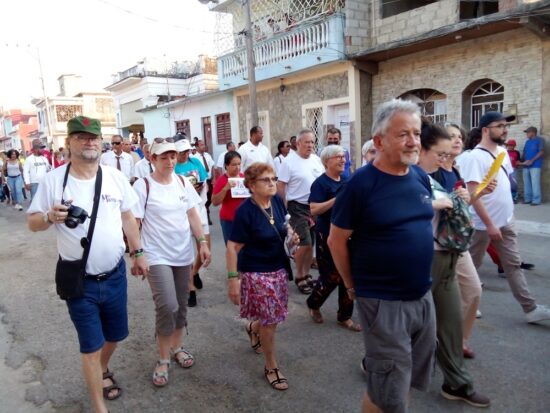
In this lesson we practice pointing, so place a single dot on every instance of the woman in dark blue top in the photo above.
(321, 200)
(258, 234)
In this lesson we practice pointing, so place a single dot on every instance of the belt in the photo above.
(16, 176)
(104, 275)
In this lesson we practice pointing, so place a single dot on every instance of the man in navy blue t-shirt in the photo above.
(385, 212)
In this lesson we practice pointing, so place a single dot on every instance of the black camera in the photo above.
(75, 216)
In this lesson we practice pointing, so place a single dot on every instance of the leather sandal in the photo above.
(186, 361)
(107, 375)
(303, 285)
(279, 383)
(255, 344)
(160, 378)
(350, 325)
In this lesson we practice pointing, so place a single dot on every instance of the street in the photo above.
(40, 366)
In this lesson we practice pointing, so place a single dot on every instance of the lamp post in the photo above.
(49, 137)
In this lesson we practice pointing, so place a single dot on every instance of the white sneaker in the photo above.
(478, 314)
(540, 313)
(18, 207)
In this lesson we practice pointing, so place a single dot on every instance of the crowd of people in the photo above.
(374, 233)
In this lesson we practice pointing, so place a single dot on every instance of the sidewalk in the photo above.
(534, 220)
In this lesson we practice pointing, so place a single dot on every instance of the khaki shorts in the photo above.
(302, 222)
(400, 343)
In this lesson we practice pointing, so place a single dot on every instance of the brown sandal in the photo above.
(303, 284)
(351, 326)
(276, 384)
(107, 375)
(255, 344)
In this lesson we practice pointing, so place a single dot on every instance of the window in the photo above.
(314, 121)
(432, 103)
(184, 126)
(66, 112)
(393, 7)
(487, 97)
(223, 128)
(475, 9)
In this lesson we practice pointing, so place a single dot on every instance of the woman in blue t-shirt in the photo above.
(321, 200)
(260, 285)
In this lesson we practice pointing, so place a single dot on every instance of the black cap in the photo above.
(531, 129)
(490, 117)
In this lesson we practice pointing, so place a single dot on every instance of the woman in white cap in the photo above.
(167, 209)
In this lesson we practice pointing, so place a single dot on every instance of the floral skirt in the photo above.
(264, 296)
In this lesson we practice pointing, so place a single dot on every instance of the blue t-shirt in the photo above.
(192, 169)
(347, 166)
(263, 249)
(446, 179)
(532, 147)
(391, 247)
(324, 189)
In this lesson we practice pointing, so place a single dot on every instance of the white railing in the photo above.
(300, 41)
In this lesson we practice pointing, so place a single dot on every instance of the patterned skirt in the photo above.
(264, 296)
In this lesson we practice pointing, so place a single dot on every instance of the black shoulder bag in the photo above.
(69, 275)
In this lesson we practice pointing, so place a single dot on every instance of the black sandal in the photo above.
(279, 380)
(108, 389)
(303, 284)
(257, 346)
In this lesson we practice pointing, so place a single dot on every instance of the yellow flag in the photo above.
(493, 172)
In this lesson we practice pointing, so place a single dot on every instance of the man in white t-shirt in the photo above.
(254, 151)
(119, 159)
(35, 168)
(296, 174)
(144, 167)
(99, 313)
(493, 214)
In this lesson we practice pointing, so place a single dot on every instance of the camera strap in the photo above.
(87, 241)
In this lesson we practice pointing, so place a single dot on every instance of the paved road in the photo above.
(40, 371)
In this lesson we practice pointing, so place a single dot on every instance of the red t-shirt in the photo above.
(229, 204)
(514, 157)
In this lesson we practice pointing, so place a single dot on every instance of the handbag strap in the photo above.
(86, 242)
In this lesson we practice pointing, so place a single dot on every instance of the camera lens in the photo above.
(71, 223)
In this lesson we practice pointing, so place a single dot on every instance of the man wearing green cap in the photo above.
(98, 311)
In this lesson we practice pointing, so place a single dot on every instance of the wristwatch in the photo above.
(46, 219)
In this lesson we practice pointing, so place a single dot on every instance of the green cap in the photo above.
(84, 124)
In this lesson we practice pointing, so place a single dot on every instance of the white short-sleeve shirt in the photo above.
(116, 197)
(126, 162)
(498, 204)
(299, 173)
(166, 234)
(251, 153)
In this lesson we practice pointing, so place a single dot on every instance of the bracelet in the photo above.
(136, 252)
(232, 274)
(201, 238)
(350, 290)
(203, 242)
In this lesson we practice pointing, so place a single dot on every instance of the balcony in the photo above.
(305, 46)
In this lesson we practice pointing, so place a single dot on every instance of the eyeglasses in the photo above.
(501, 126)
(116, 143)
(87, 138)
(268, 179)
(339, 157)
(372, 151)
(161, 140)
(443, 155)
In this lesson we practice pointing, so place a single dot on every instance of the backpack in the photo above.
(455, 229)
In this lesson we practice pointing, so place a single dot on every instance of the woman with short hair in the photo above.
(321, 200)
(222, 192)
(261, 283)
(167, 209)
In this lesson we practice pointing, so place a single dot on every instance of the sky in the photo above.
(94, 39)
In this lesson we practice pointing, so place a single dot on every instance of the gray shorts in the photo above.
(170, 288)
(400, 343)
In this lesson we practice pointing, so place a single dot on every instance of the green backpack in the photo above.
(455, 228)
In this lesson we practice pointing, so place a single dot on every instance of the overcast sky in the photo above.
(93, 38)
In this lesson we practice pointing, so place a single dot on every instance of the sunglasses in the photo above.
(268, 179)
(116, 143)
(161, 140)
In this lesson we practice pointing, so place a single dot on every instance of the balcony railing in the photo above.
(286, 52)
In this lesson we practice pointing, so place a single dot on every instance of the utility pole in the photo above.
(251, 65)
(49, 137)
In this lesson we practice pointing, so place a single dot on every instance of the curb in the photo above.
(533, 228)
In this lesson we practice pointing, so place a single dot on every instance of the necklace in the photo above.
(268, 215)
